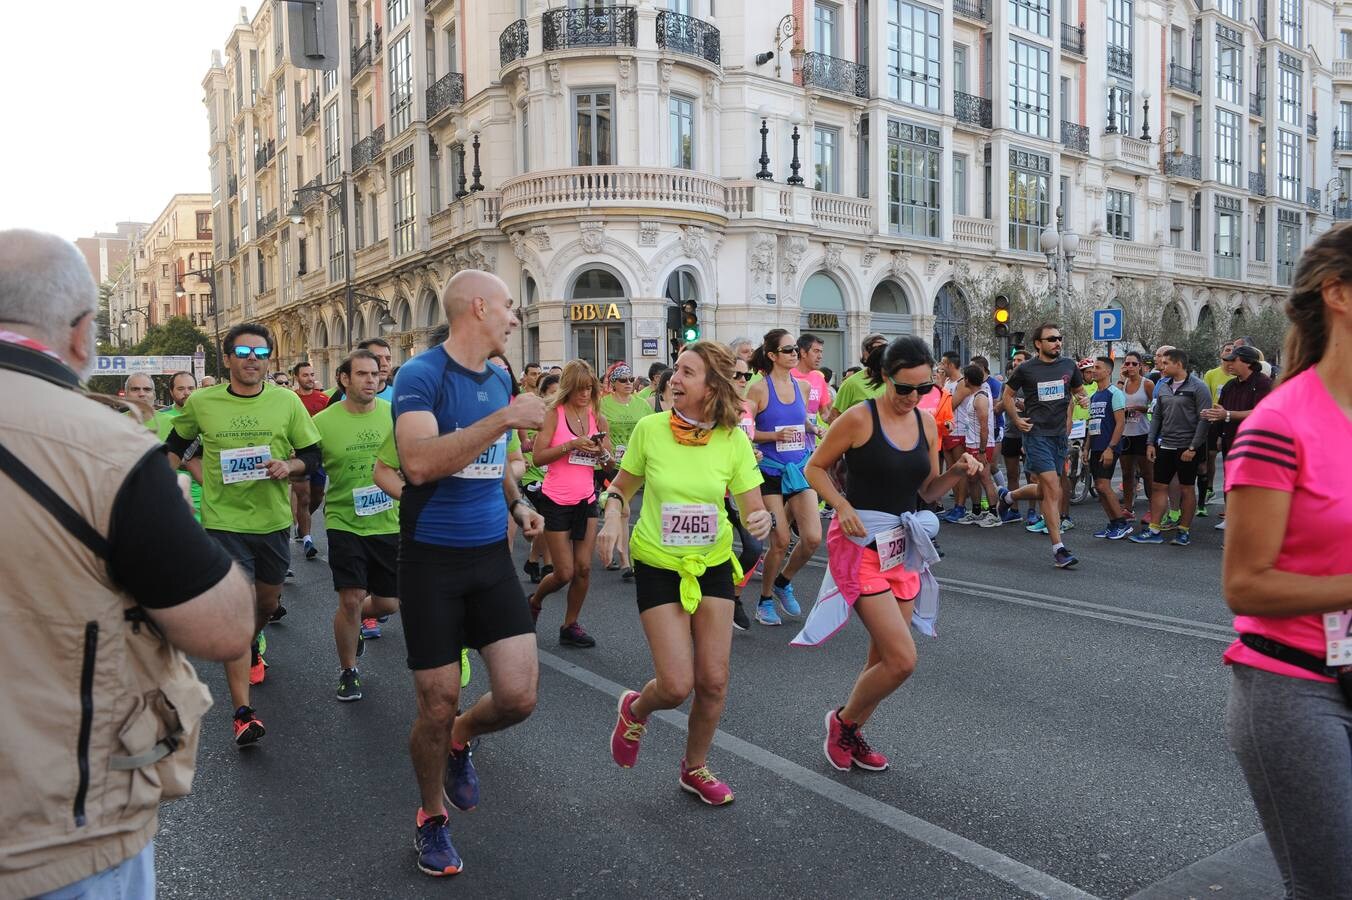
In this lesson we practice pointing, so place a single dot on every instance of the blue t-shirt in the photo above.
(1101, 421)
(388, 394)
(466, 509)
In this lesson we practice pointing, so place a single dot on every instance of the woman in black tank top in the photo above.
(891, 449)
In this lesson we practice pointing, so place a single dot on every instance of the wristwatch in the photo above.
(1227, 415)
(511, 507)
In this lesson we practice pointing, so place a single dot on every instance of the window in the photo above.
(302, 257)
(1229, 68)
(405, 205)
(330, 81)
(1120, 23)
(681, 125)
(959, 184)
(595, 138)
(960, 68)
(1344, 138)
(1176, 224)
(358, 219)
(1227, 147)
(253, 79)
(1029, 198)
(1122, 106)
(1176, 47)
(164, 270)
(1119, 214)
(1345, 45)
(1232, 8)
(281, 110)
(333, 143)
(865, 157)
(452, 51)
(1260, 235)
(1030, 78)
(525, 138)
(1288, 244)
(1288, 165)
(914, 156)
(283, 182)
(434, 182)
(401, 83)
(1288, 90)
(373, 219)
(396, 10)
(284, 268)
(335, 236)
(1227, 236)
(913, 54)
(1291, 20)
(824, 17)
(1064, 101)
(1032, 15)
(825, 159)
(262, 273)
(203, 225)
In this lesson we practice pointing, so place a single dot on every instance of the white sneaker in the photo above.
(969, 519)
(989, 519)
(1220, 526)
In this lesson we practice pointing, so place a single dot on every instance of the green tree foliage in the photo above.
(1268, 331)
(176, 337)
(1028, 307)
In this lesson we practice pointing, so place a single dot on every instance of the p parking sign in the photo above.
(1108, 324)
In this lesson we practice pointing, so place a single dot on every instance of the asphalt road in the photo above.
(1062, 737)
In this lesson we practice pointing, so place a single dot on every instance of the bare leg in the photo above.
(803, 508)
(237, 670)
(429, 741)
(891, 656)
(347, 625)
(560, 546)
(778, 544)
(582, 559)
(301, 491)
(513, 680)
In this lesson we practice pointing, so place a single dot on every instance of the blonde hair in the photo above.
(723, 407)
(578, 374)
(1330, 256)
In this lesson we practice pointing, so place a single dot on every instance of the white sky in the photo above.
(102, 103)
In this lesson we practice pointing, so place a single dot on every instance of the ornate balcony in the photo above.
(1183, 165)
(311, 198)
(688, 35)
(1342, 210)
(446, 93)
(1075, 136)
(1257, 105)
(514, 42)
(590, 26)
(1258, 184)
(979, 10)
(1119, 61)
(1072, 38)
(266, 224)
(831, 73)
(1342, 140)
(368, 149)
(1184, 79)
(309, 111)
(971, 109)
(1312, 199)
(617, 187)
(264, 155)
(361, 57)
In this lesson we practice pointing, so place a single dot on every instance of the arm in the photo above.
(936, 485)
(545, 454)
(1007, 399)
(839, 437)
(531, 522)
(621, 491)
(516, 466)
(754, 514)
(426, 456)
(1203, 402)
(1156, 423)
(388, 480)
(1119, 424)
(981, 407)
(217, 624)
(759, 394)
(1253, 585)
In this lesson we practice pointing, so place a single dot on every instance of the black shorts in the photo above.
(1135, 444)
(656, 587)
(263, 557)
(773, 486)
(1213, 440)
(560, 517)
(1169, 463)
(1096, 467)
(1011, 447)
(454, 597)
(365, 561)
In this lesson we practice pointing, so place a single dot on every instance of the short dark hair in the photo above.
(983, 363)
(530, 365)
(1178, 355)
(655, 369)
(243, 328)
(1106, 360)
(1042, 329)
(1136, 353)
(303, 364)
(373, 342)
(345, 367)
(905, 352)
(973, 375)
(826, 374)
(953, 357)
(806, 340)
(181, 374)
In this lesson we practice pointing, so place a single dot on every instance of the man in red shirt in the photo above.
(308, 492)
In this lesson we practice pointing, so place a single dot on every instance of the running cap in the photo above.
(872, 339)
(1244, 352)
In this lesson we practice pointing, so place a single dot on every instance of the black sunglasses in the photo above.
(792, 349)
(1052, 338)
(904, 390)
(741, 376)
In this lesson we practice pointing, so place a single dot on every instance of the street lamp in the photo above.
(143, 311)
(386, 322)
(209, 276)
(763, 113)
(337, 192)
(794, 164)
(1059, 248)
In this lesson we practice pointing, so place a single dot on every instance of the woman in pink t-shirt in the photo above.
(1288, 578)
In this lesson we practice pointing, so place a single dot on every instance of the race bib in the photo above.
(492, 463)
(371, 500)
(584, 458)
(1077, 429)
(689, 524)
(244, 464)
(1338, 638)
(1051, 390)
(1095, 427)
(619, 453)
(790, 437)
(891, 547)
(749, 426)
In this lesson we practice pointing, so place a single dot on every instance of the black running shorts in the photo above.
(365, 561)
(1135, 444)
(1097, 469)
(571, 518)
(454, 597)
(1169, 463)
(263, 557)
(656, 587)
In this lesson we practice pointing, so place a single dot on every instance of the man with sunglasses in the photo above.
(249, 429)
(1046, 382)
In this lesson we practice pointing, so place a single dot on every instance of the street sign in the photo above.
(649, 346)
(1108, 324)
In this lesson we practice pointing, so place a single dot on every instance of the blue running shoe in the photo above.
(1037, 527)
(1147, 536)
(1120, 531)
(788, 601)
(462, 782)
(436, 855)
(1004, 508)
(370, 629)
(766, 614)
(1011, 515)
(1182, 539)
(1033, 516)
(1106, 532)
(1067, 524)
(1063, 558)
(954, 515)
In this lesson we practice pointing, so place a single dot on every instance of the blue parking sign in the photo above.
(1108, 324)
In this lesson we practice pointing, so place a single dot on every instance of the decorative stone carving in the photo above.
(1098, 283)
(932, 265)
(832, 259)
(664, 77)
(555, 78)
(626, 69)
(522, 82)
(593, 236)
(869, 258)
(795, 248)
(855, 117)
(519, 248)
(540, 235)
(898, 264)
(811, 108)
(692, 240)
(647, 233)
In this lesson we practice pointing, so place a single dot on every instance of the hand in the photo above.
(1107, 457)
(759, 524)
(1023, 425)
(528, 446)
(970, 464)
(850, 522)
(1150, 452)
(1188, 455)
(1213, 414)
(526, 411)
(609, 535)
(759, 455)
(584, 444)
(278, 469)
(531, 522)
(1082, 400)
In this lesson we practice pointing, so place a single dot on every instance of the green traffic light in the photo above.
(691, 335)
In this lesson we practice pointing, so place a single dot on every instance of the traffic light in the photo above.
(1001, 316)
(313, 31)
(689, 322)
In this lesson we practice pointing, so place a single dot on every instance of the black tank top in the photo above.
(883, 477)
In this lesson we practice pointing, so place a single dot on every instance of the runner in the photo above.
(1011, 447)
(975, 428)
(362, 519)
(818, 392)
(781, 436)
(140, 388)
(1045, 383)
(1177, 437)
(571, 444)
(249, 431)
(1107, 420)
(381, 348)
(537, 560)
(1139, 392)
(1290, 500)
(457, 583)
(752, 547)
(686, 460)
(1238, 398)
(181, 386)
(622, 410)
(207, 381)
(661, 393)
(858, 386)
(1215, 379)
(307, 493)
(875, 518)
(654, 370)
(530, 378)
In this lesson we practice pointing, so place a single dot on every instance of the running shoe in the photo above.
(740, 620)
(989, 519)
(1220, 526)
(787, 601)
(1147, 536)
(1067, 523)
(262, 639)
(1063, 558)
(1201, 510)
(766, 614)
(432, 841)
(248, 727)
(310, 551)
(627, 573)
(1128, 515)
(361, 644)
(1033, 516)
(370, 629)
(969, 518)
(1121, 530)
(1037, 527)
(258, 669)
(839, 744)
(278, 614)
(1182, 539)
(954, 515)
(1171, 518)
(290, 574)
(705, 785)
(628, 730)
(575, 636)
(1011, 515)
(864, 756)
(383, 619)
(532, 570)
(1004, 508)
(1106, 531)
(349, 686)
(462, 782)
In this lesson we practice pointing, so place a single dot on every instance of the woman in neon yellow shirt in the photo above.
(622, 409)
(686, 460)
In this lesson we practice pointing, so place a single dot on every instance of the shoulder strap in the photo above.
(49, 500)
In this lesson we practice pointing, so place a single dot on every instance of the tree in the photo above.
(1076, 318)
(1201, 344)
(1268, 331)
(1027, 306)
(103, 319)
(1144, 307)
(176, 337)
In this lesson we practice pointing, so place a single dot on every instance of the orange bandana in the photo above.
(688, 433)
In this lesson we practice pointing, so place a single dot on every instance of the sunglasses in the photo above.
(741, 376)
(624, 380)
(905, 390)
(790, 350)
(1052, 339)
(242, 352)
(1125, 364)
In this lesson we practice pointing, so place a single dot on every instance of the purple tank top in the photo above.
(779, 414)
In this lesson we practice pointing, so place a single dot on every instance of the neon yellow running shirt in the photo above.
(350, 441)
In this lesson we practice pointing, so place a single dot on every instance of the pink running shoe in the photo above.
(839, 745)
(624, 739)
(704, 784)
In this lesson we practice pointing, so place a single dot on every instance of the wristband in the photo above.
(1227, 415)
(511, 507)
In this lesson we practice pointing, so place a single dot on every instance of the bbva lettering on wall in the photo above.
(823, 321)
(592, 312)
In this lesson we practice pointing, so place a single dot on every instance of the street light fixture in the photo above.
(1059, 247)
(337, 192)
(209, 276)
(386, 322)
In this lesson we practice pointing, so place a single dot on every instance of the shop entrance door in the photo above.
(599, 345)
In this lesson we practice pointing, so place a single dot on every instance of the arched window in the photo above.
(405, 315)
(597, 284)
(321, 335)
(529, 294)
(950, 322)
(431, 310)
(889, 311)
(822, 292)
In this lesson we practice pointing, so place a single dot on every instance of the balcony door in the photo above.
(594, 138)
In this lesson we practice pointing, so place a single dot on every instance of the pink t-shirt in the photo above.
(818, 393)
(1296, 441)
(571, 479)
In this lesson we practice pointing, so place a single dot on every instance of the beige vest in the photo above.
(92, 702)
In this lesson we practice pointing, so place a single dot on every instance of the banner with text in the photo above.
(143, 365)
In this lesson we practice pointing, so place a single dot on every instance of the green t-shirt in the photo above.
(151, 423)
(163, 423)
(275, 422)
(388, 452)
(678, 474)
(646, 393)
(350, 441)
(1216, 379)
(856, 389)
(622, 417)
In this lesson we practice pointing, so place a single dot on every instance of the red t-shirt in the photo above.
(1296, 442)
(314, 402)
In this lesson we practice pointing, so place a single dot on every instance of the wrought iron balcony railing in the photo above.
(368, 149)
(1258, 184)
(1119, 61)
(514, 42)
(1184, 78)
(1257, 104)
(686, 34)
(310, 195)
(309, 111)
(1312, 124)
(1342, 140)
(1072, 38)
(831, 73)
(1075, 136)
(1312, 198)
(447, 92)
(266, 224)
(264, 154)
(1183, 165)
(972, 109)
(590, 26)
(361, 57)
(1342, 210)
(973, 9)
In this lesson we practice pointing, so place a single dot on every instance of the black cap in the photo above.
(1244, 352)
